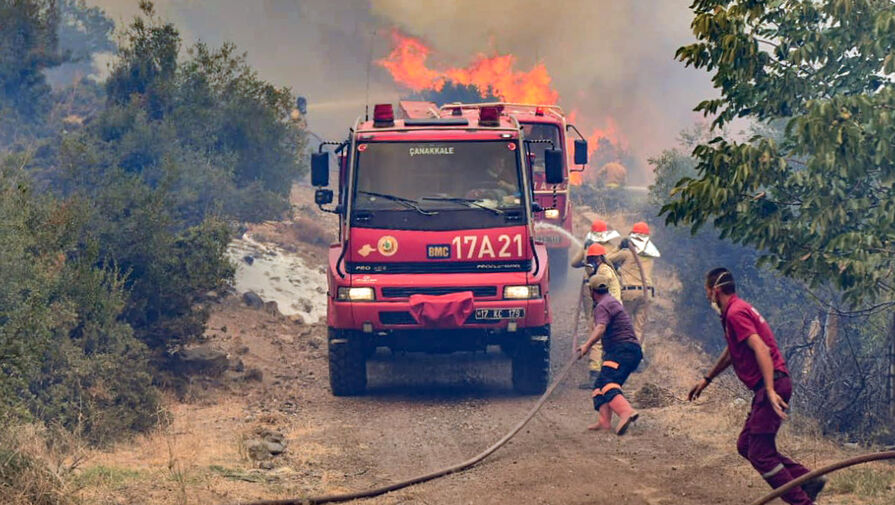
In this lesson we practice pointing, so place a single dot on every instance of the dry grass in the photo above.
(37, 465)
(868, 482)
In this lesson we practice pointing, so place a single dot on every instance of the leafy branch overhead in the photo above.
(817, 200)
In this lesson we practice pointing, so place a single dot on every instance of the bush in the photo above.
(65, 353)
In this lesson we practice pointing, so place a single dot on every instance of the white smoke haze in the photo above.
(606, 58)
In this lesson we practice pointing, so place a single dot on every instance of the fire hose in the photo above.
(337, 498)
(857, 460)
(370, 493)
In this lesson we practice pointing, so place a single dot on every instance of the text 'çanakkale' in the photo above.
(416, 151)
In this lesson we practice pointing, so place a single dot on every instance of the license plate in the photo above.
(495, 314)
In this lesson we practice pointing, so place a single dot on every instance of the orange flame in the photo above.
(407, 64)
(497, 74)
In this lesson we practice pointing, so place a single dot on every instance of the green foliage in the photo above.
(65, 353)
(142, 230)
(691, 256)
(213, 104)
(28, 46)
(817, 201)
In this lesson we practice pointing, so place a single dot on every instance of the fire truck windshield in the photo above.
(541, 131)
(446, 180)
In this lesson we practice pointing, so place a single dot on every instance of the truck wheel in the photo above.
(347, 364)
(531, 365)
(559, 265)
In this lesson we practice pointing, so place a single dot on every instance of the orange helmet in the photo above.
(596, 250)
(641, 228)
(598, 226)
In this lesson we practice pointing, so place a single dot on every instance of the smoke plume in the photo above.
(611, 61)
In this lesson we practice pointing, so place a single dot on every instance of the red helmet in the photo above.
(641, 228)
(598, 226)
(596, 250)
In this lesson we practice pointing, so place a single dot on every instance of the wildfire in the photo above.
(407, 64)
(496, 75)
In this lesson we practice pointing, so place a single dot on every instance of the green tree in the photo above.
(28, 45)
(211, 110)
(819, 201)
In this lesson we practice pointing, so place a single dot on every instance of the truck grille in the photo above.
(477, 291)
(396, 317)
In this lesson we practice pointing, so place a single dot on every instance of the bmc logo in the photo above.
(438, 251)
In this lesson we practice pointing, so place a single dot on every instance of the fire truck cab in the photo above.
(436, 249)
(542, 123)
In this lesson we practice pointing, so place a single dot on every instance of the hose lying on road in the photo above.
(336, 498)
(857, 460)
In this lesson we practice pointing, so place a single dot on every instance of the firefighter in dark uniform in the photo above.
(621, 356)
(759, 364)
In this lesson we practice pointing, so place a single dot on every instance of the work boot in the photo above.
(814, 486)
(605, 420)
(626, 414)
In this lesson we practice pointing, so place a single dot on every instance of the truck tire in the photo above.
(531, 365)
(347, 364)
(559, 266)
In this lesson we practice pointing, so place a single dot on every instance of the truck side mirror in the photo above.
(580, 152)
(553, 166)
(323, 196)
(320, 169)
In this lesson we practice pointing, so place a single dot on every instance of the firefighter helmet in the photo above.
(641, 227)
(598, 226)
(596, 250)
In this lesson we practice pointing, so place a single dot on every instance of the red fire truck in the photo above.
(540, 123)
(436, 249)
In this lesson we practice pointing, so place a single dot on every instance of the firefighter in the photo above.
(633, 284)
(621, 356)
(591, 261)
(600, 234)
(595, 263)
(757, 361)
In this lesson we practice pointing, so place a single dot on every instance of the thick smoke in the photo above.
(607, 58)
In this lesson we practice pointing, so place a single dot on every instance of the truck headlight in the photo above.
(522, 292)
(551, 213)
(356, 294)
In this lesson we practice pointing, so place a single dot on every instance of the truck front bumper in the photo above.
(488, 315)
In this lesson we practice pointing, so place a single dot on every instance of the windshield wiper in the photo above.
(407, 202)
(469, 202)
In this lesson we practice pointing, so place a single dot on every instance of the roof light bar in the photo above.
(489, 116)
(383, 115)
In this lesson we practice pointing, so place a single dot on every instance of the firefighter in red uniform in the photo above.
(621, 355)
(757, 361)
